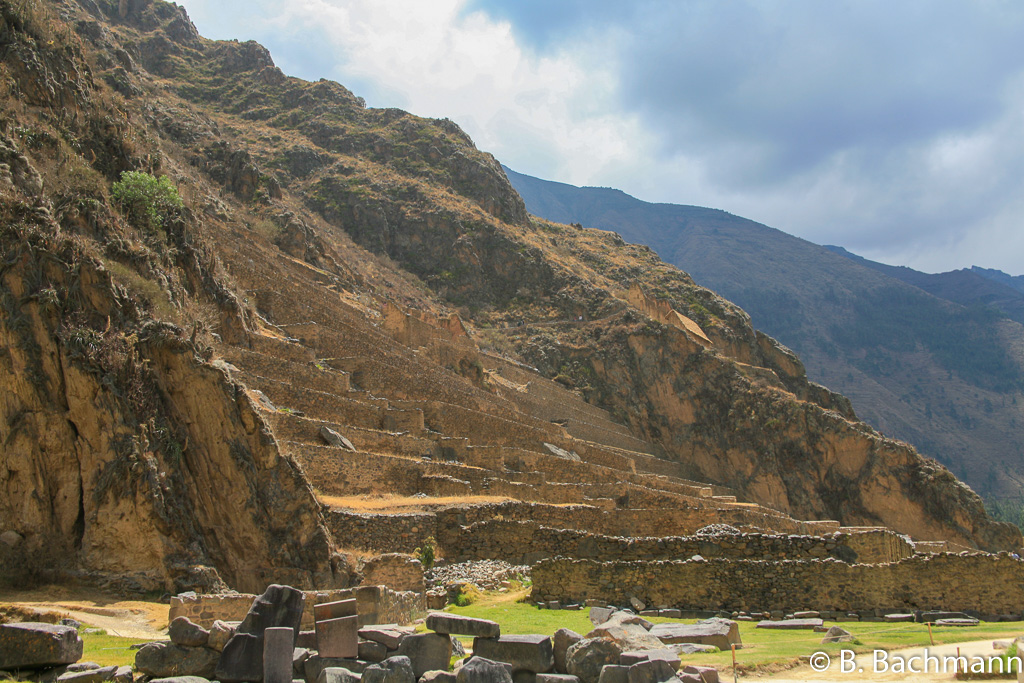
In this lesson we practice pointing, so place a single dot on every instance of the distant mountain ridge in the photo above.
(937, 360)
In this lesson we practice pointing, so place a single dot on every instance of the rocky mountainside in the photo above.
(211, 270)
(936, 360)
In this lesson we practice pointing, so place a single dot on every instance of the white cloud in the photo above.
(933, 192)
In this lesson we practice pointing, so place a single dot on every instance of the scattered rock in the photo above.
(585, 658)
(391, 670)
(524, 652)
(427, 651)
(438, 677)
(242, 657)
(337, 675)
(614, 673)
(220, 634)
(705, 674)
(562, 640)
(837, 634)
(371, 651)
(721, 633)
(166, 660)
(183, 631)
(957, 622)
(333, 438)
(651, 671)
(482, 670)
(97, 675)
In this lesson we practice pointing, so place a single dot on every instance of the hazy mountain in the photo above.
(925, 358)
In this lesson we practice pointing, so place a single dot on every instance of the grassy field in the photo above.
(108, 650)
(762, 649)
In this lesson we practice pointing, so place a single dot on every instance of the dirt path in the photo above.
(118, 617)
(864, 668)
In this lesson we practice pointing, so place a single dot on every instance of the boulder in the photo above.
(427, 651)
(706, 674)
(586, 658)
(167, 660)
(81, 666)
(614, 673)
(629, 636)
(556, 678)
(315, 665)
(180, 679)
(651, 671)
(390, 638)
(242, 657)
(97, 675)
(562, 639)
(524, 653)
(721, 633)
(790, 624)
(599, 615)
(124, 674)
(933, 616)
(694, 648)
(438, 677)
(391, 670)
(370, 651)
(220, 634)
(184, 632)
(482, 670)
(637, 604)
(32, 645)
(837, 634)
(454, 624)
(664, 654)
(333, 438)
(957, 622)
(333, 674)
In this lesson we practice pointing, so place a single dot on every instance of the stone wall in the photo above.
(405, 532)
(397, 571)
(988, 584)
(528, 542)
(374, 605)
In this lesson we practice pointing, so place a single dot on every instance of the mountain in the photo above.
(237, 304)
(1015, 281)
(936, 360)
(965, 287)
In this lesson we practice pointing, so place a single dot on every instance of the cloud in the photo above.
(893, 129)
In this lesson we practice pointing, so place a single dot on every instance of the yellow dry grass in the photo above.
(391, 504)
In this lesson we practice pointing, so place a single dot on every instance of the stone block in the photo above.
(316, 664)
(586, 658)
(599, 615)
(97, 675)
(242, 657)
(388, 637)
(438, 677)
(338, 637)
(165, 660)
(306, 639)
(790, 624)
(707, 674)
(482, 670)
(337, 675)
(561, 642)
(524, 652)
(372, 652)
(334, 610)
(651, 671)
(721, 633)
(614, 673)
(454, 624)
(556, 678)
(664, 654)
(427, 651)
(278, 654)
(391, 670)
(220, 634)
(32, 645)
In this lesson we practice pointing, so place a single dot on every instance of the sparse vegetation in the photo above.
(146, 200)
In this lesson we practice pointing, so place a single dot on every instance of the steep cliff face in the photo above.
(126, 455)
(129, 453)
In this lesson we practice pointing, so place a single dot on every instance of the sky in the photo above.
(894, 129)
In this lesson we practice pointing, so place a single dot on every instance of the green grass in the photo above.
(108, 650)
(762, 648)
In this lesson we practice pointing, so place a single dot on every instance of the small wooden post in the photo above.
(735, 678)
(930, 637)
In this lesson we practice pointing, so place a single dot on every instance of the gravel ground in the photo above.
(484, 574)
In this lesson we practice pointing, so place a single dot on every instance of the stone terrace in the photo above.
(581, 483)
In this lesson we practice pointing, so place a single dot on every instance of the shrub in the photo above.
(426, 554)
(147, 201)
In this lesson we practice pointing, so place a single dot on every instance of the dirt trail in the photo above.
(117, 616)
